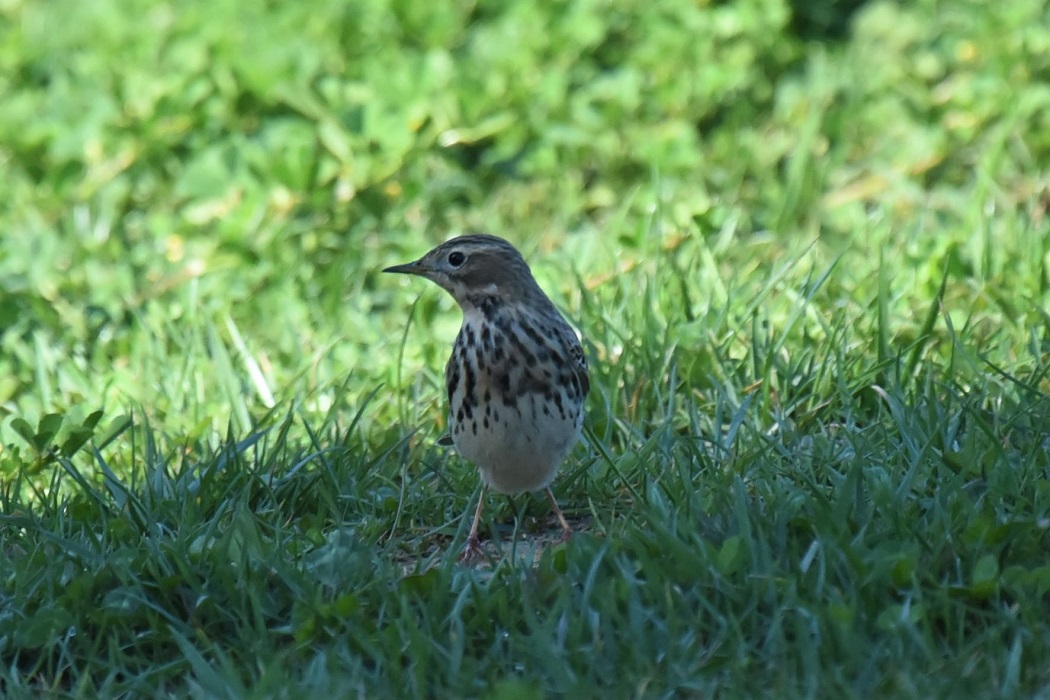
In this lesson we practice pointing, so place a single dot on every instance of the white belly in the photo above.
(518, 448)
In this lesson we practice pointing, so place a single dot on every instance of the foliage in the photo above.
(812, 280)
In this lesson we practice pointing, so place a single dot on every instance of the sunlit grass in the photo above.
(811, 278)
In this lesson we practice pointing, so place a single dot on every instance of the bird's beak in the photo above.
(412, 268)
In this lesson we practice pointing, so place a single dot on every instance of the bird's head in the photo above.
(477, 267)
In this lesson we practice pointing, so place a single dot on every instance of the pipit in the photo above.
(516, 379)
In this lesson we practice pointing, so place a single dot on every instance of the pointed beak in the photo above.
(412, 268)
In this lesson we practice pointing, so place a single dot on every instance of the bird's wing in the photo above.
(576, 356)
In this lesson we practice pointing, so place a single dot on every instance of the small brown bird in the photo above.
(517, 378)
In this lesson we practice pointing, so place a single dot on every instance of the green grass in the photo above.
(811, 271)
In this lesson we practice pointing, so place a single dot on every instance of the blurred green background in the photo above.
(186, 181)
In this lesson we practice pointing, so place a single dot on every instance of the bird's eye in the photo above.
(456, 258)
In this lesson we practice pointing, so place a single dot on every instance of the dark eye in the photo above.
(456, 258)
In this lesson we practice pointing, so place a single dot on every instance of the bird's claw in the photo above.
(472, 551)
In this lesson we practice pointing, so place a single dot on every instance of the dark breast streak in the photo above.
(497, 360)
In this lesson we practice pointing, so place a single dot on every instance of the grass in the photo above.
(808, 250)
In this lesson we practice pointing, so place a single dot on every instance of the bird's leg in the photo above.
(472, 549)
(566, 530)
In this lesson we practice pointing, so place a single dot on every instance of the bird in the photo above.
(517, 379)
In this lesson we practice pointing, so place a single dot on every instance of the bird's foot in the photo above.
(472, 551)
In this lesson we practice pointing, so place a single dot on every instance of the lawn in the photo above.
(808, 249)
